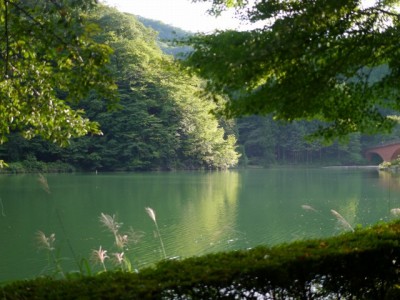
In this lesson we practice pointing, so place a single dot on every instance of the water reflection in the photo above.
(274, 210)
(197, 212)
(209, 216)
(391, 183)
(389, 180)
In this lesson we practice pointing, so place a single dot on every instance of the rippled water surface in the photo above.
(197, 212)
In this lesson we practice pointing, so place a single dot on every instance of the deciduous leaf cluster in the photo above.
(49, 59)
(336, 61)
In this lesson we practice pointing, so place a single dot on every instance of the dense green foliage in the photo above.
(360, 265)
(155, 127)
(266, 142)
(48, 59)
(308, 60)
(162, 121)
(262, 142)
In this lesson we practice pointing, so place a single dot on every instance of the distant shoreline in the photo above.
(352, 167)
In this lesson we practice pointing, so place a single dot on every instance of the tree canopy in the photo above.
(332, 60)
(48, 60)
(161, 122)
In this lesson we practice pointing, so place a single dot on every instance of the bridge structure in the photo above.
(387, 151)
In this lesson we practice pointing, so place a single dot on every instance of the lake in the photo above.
(196, 212)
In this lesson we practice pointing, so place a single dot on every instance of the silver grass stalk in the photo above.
(152, 216)
(45, 186)
(341, 220)
(110, 223)
(121, 241)
(43, 183)
(118, 257)
(134, 236)
(45, 242)
(100, 257)
(309, 208)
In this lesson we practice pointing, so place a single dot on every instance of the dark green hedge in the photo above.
(360, 265)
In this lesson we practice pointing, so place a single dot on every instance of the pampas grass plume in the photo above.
(151, 214)
(341, 219)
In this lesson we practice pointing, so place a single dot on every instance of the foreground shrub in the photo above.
(359, 265)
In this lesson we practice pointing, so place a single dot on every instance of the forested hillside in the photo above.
(163, 120)
(264, 142)
(167, 35)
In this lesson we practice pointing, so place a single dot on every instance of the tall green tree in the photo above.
(162, 121)
(48, 60)
(313, 59)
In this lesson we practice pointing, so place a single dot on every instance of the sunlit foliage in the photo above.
(336, 61)
(49, 59)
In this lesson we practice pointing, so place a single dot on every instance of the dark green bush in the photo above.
(360, 265)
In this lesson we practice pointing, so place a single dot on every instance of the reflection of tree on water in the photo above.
(209, 217)
(389, 180)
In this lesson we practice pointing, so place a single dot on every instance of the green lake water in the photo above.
(197, 212)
